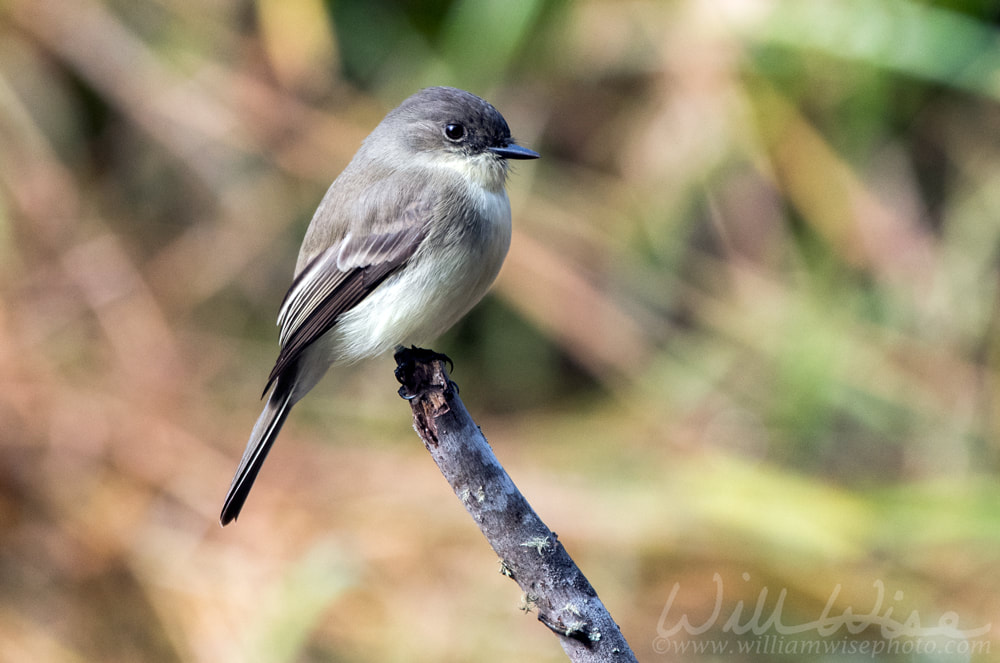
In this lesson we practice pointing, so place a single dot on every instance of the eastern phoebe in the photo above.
(403, 244)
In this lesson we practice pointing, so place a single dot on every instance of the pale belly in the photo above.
(426, 297)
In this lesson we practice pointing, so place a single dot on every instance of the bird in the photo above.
(406, 240)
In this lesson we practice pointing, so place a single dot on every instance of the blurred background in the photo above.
(743, 354)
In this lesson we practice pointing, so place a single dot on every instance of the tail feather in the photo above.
(264, 433)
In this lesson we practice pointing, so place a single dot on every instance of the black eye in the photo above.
(454, 131)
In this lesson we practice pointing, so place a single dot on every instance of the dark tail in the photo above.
(263, 435)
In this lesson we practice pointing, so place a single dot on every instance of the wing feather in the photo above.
(340, 277)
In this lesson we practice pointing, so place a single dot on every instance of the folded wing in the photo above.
(340, 277)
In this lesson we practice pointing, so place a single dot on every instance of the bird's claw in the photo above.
(406, 358)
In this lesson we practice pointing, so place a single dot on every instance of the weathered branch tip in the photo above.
(529, 552)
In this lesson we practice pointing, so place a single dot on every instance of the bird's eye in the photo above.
(454, 131)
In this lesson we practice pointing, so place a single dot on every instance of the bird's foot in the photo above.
(406, 361)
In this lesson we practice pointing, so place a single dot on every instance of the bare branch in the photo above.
(530, 553)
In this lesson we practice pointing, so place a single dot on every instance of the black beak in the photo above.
(514, 151)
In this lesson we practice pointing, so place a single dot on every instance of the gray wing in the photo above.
(340, 277)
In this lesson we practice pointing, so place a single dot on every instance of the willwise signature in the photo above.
(825, 624)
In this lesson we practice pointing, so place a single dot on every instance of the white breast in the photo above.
(431, 292)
